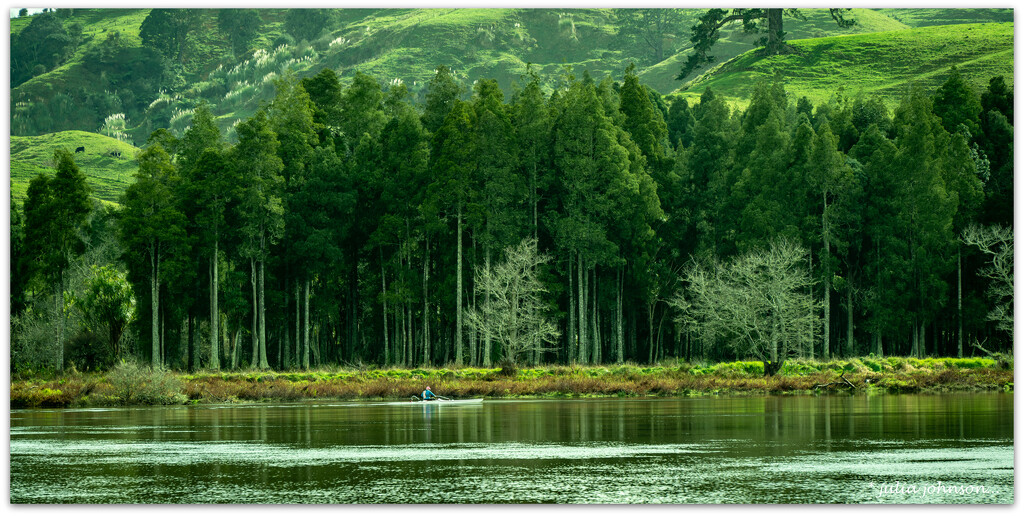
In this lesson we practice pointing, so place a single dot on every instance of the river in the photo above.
(954, 448)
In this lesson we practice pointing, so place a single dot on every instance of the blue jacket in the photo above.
(427, 395)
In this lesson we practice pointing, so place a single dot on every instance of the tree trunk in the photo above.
(407, 317)
(849, 321)
(776, 44)
(190, 363)
(305, 325)
(410, 340)
(458, 290)
(921, 342)
(650, 332)
(538, 355)
(255, 317)
(486, 351)
(959, 305)
(582, 292)
(154, 290)
(426, 304)
(619, 341)
(58, 311)
(570, 334)
(286, 344)
(163, 335)
(399, 334)
(263, 319)
(473, 340)
(595, 356)
(214, 310)
(298, 328)
(234, 350)
(810, 334)
(384, 300)
(314, 347)
(913, 339)
(659, 353)
(826, 273)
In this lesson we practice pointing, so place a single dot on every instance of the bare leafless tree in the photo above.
(758, 304)
(996, 242)
(514, 312)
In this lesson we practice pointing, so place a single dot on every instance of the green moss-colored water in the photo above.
(795, 449)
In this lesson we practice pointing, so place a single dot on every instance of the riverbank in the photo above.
(132, 385)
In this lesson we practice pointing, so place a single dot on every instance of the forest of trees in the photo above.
(348, 226)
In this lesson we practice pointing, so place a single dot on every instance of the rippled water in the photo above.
(881, 449)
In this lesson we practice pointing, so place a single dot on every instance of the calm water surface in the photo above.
(861, 449)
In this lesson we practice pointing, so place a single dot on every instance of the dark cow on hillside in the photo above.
(80, 149)
(116, 154)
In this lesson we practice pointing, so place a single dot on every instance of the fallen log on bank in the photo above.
(842, 382)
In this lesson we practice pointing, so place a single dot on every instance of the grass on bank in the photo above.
(130, 384)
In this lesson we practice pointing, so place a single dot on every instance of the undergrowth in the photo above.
(132, 384)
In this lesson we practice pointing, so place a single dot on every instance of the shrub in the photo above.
(970, 363)
(32, 343)
(88, 351)
(949, 377)
(778, 384)
(749, 368)
(798, 368)
(897, 385)
(872, 364)
(508, 367)
(57, 394)
(283, 39)
(133, 384)
(896, 363)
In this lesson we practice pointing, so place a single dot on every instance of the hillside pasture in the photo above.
(106, 175)
(879, 64)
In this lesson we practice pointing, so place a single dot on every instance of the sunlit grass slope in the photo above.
(878, 64)
(927, 17)
(106, 175)
(408, 44)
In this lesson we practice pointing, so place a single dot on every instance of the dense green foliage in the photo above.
(42, 46)
(340, 229)
(348, 219)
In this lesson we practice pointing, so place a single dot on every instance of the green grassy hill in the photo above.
(929, 17)
(106, 175)
(390, 44)
(108, 75)
(879, 64)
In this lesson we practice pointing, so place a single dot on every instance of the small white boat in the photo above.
(447, 401)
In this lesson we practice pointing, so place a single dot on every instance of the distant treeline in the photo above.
(346, 226)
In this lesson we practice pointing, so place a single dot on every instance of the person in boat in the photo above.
(427, 395)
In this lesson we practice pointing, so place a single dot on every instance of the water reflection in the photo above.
(703, 450)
